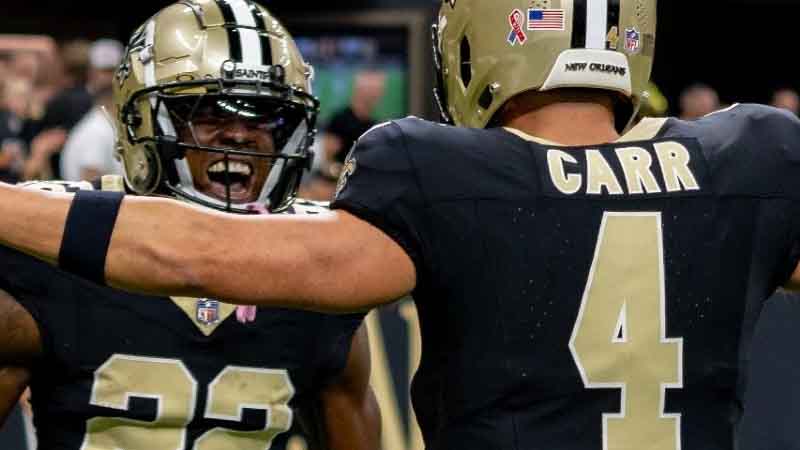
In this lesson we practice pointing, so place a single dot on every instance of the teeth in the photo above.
(233, 166)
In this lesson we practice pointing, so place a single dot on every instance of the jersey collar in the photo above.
(189, 307)
(646, 129)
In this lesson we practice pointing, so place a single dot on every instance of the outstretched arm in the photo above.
(352, 417)
(329, 263)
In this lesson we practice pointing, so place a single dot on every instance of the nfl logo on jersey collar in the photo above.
(207, 311)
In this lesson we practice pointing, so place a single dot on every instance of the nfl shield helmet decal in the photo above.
(207, 311)
(633, 40)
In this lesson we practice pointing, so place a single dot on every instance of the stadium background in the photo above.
(742, 48)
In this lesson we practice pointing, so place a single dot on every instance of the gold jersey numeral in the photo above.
(173, 387)
(123, 377)
(619, 339)
(227, 400)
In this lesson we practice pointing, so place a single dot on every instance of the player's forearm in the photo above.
(328, 262)
(165, 247)
(33, 221)
(151, 251)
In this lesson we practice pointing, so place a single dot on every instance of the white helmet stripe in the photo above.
(250, 39)
(149, 62)
(150, 65)
(596, 24)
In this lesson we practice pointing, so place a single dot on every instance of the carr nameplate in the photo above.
(662, 168)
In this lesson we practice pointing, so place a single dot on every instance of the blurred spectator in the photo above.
(34, 58)
(343, 130)
(29, 66)
(25, 65)
(14, 109)
(104, 57)
(354, 120)
(62, 112)
(89, 151)
(786, 98)
(697, 101)
(5, 63)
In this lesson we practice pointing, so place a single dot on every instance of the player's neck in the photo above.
(567, 120)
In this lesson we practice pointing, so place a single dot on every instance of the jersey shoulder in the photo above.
(751, 149)
(739, 123)
(440, 162)
(419, 139)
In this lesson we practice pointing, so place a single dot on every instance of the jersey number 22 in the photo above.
(170, 383)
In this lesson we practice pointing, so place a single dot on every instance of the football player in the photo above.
(110, 372)
(579, 285)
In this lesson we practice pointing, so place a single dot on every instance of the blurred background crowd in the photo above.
(53, 98)
(56, 104)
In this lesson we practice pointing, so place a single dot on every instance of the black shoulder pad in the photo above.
(751, 149)
(380, 186)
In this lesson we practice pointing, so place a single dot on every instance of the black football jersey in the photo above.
(597, 298)
(136, 372)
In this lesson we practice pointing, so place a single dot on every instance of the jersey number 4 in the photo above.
(170, 383)
(619, 340)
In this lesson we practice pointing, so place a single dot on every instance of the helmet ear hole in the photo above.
(147, 179)
(131, 117)
(466, 62)
(486, 98)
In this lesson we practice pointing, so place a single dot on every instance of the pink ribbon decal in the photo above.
(516, 19)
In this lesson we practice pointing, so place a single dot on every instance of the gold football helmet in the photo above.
(217, 58)
(487, 52)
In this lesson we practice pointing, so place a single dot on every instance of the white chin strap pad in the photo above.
(588, 68)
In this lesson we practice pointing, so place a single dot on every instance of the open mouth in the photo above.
(237, 176)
